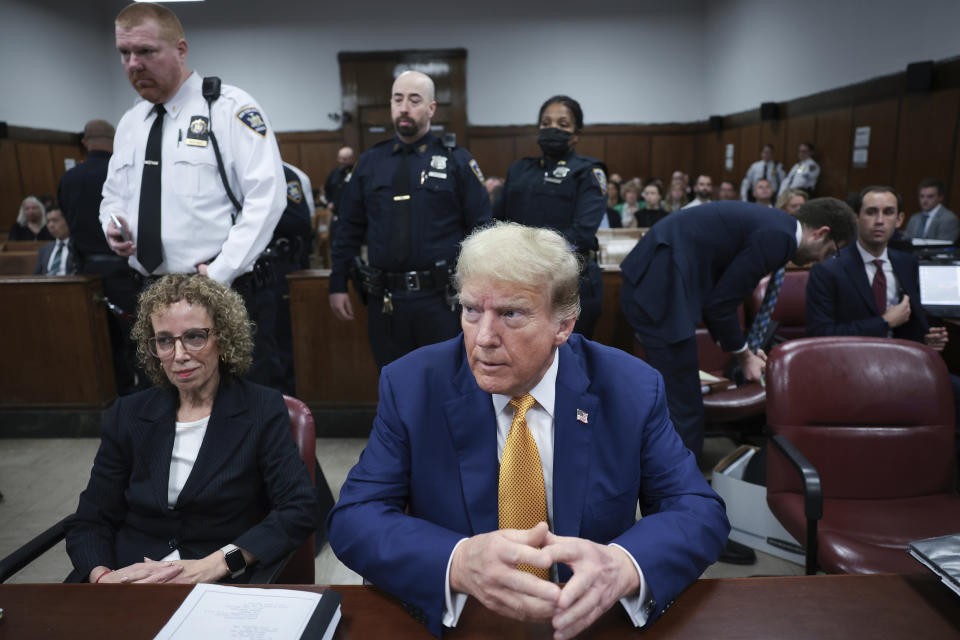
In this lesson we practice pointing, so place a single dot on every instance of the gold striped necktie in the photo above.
(522, 497)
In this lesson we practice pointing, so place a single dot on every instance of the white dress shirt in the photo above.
(772, 171)
(64, 247)
(540, 422)
(803, 175)
(196, 224)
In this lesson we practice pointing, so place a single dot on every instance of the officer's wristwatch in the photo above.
(236, 565)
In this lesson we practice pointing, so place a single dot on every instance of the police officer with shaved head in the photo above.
(195, 183)
(414, 197)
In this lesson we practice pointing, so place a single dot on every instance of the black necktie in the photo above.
(149, 251)
(401, 205)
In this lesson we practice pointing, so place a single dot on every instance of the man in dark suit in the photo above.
(56, 258)
(701, 265)
(850, 296)
(427, 513)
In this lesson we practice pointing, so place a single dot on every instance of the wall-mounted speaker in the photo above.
(716, 123)
(4, 131)
(920, 76)
(769, 111)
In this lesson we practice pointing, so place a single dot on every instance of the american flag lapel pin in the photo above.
(582, 416)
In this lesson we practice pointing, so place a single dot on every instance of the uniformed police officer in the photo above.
(565, 191)
(804, 174)
(415, 198)
(181, 208)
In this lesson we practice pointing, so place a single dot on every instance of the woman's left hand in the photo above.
(209, 569)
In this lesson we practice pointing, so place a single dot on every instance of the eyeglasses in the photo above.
(191, 339)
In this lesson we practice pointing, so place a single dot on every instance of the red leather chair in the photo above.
(861, 460)
(297, 568)
(791, 309)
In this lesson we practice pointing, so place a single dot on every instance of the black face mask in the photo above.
(554, 142)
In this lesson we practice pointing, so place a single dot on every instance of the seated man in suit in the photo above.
(934, 221)
(429, 515)
(56, 258)
(701, 266)
(854, 296)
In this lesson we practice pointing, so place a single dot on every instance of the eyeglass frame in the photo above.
(152, 342)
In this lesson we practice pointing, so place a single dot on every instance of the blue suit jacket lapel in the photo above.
(228, 426)
(473, 428)
(853, 265)
(572, 440)
(152, 433)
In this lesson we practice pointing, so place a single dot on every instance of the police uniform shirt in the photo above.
(803, 175)
(305, 187)
(568, 194)
(196, 224)
(448, 200)
(772, 171)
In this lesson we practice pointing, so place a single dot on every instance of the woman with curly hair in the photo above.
(196, 478)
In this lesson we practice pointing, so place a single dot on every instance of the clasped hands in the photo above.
(484, 567)
(208, 569)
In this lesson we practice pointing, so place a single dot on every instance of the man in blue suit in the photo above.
(422, 513)
(701, 265)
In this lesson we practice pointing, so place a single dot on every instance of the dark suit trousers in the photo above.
(680, 368)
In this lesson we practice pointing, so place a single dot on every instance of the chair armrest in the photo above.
(268, 574)
(812, 495)
(32, 550)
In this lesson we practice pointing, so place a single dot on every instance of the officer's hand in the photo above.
(936, 338)
(485, 567)
(340, 303)
(602, 574)
(117, 239)
(899, 313)
(202, 269)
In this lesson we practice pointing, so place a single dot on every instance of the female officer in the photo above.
(565, 191)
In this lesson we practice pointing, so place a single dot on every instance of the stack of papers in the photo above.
(215, 612)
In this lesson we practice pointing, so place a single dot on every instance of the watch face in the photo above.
(235, 561)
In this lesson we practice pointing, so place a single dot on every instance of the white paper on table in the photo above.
(215, 612)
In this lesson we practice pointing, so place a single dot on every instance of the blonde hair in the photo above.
(527, 256)
(134, 15)
(22, 215)
(784, 197)
(231, 326)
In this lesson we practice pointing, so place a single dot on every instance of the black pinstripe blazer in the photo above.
(248, 485)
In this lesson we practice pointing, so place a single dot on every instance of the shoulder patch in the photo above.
(294, 192)
(476, 170)
(251, 117)
(601, 179)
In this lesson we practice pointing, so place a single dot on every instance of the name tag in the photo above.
(437, 174)
(553, 180)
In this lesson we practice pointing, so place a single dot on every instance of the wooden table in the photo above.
(816, 607)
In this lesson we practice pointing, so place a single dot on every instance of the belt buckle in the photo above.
(412, 280)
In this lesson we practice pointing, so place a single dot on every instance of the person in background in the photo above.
(412, 199)
(765, 168)
(933, 221)
(763, 193)
(31, 222)
(676, 197)
(653, 212)
(56, 258)
(803, 174)
(198, 477)
(630, 206)
(703, 189)
(727, 191)
(565, 191)
(791, 200)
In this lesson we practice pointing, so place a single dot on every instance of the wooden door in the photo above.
(367, 77)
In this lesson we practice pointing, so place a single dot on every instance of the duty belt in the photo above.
(414, 281)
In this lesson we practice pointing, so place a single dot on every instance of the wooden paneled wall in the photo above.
(912, 135)
(31, 163)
